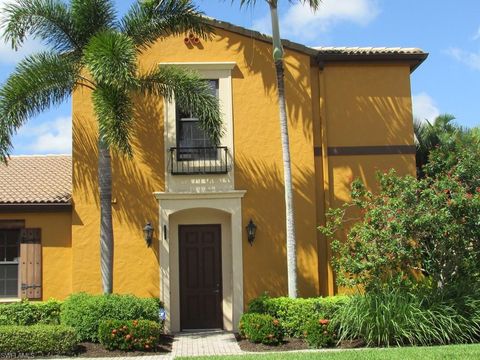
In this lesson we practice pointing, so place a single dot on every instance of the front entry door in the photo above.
(200, 277)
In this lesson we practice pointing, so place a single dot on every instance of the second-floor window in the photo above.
(192, 142)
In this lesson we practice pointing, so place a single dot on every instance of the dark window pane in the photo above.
(9, 280)
(11, 288)
(11, 253)
(11, 272)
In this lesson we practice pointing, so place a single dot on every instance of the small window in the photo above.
(192, 142)
(9, 263)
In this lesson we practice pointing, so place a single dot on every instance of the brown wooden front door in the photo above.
(200, 277)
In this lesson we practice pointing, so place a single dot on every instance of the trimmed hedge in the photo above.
(84, 312)
(319, 334)
(30, 313)
(37, 340)
(142, 335)
(261, 328)
(294, 314)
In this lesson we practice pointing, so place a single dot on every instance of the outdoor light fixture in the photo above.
(251, 230)
(148, 233)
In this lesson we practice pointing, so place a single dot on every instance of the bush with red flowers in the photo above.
(128, 335)
(261, 328)
(319, 333)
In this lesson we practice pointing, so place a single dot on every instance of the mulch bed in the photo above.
(91, 350)
(290, 345)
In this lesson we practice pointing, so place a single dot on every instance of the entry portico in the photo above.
(219, 208)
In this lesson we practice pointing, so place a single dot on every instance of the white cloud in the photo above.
(302, 23)
(471, 59)
(10, 56)
(49, 137)
(477, 35)
(424, 107)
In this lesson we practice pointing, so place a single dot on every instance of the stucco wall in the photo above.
(344, 105)
(258, 169)
(362, 105)
(56, 250)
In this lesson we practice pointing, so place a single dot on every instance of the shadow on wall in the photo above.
(259, 61)
(265, 267)
(134, 180)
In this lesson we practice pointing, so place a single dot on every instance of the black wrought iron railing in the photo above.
(199, 160)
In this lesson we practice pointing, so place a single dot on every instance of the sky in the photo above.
(447, 82)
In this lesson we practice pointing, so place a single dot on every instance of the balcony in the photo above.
(199, 160)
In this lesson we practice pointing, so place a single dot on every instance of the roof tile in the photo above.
(45, 179)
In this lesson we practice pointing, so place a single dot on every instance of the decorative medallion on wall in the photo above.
(192, 41)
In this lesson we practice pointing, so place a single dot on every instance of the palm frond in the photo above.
(38, 82)
(192, 94)
(92, 16)
(148, 21)
(111, 58)
(113, 108)
(313, 4)
(49, 20)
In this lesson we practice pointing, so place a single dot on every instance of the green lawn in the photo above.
(464, 352)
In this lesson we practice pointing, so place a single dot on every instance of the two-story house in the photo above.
(349, 113)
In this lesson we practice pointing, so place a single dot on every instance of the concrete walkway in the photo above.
(205, 344)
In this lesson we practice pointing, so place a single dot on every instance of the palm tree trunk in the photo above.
(106, 225)
(287, 170)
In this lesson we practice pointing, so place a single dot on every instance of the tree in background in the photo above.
(89, 48)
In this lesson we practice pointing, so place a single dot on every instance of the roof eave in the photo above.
(34, 207)
(415, 60)
(318, 58)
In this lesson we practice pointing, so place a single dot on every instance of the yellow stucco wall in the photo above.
(363, 105)
(345, 105)
(258, 169)
(56, 249)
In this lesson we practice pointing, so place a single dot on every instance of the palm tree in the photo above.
(88, 47)
(278, 56)
(429, 135)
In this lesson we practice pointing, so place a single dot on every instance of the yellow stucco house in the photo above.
(350, 114)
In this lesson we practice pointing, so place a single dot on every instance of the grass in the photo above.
(464, 352)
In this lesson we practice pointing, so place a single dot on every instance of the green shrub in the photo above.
(319, 333)
(84, 312)
(261, 328)
(397, 317)
(37, 340)
(30, 313)
(294, 314)
(142, 335)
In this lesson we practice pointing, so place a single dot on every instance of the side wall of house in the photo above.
(366, 112)
(56, 240)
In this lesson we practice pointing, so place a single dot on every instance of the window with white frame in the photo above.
(192, 142)
(9, 263)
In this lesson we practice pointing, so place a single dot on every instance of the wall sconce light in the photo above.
(251, 230)
(148, 233)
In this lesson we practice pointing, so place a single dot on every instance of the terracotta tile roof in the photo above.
(368, 50)
(45, 179)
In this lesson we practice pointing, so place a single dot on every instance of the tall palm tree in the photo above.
(88, 47)
(429, 135)
(278, 58)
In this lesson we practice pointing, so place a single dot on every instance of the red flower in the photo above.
(323, 321)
